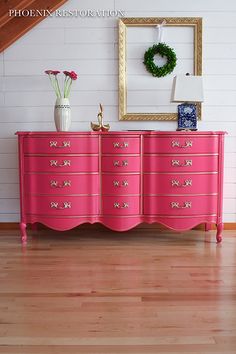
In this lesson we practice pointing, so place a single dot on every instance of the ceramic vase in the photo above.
(62, 114)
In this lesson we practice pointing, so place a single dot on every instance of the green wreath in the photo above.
(164, 51)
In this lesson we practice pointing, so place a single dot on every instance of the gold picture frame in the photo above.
(124, 23)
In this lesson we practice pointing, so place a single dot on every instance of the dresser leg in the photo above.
(219, 232)
(23, 232)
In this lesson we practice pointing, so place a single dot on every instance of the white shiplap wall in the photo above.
(89, 47)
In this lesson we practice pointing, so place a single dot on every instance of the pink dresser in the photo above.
(121, 179)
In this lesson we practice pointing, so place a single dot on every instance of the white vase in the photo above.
(62, 114)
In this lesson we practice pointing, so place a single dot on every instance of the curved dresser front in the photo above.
(121, 179)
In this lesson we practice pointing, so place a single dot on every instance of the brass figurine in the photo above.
(100, 126)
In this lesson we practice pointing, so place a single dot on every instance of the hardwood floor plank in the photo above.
(121, 349)
(105, 292)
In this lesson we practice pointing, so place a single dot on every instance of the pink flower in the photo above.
(69, 77)
(52, 72)
(55, 72)
(73, 75)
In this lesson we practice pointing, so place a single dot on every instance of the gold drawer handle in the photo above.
(178, 163)
(122, 184)
(176, 143)
(56, 184)
(178, 206)
(120, 163)
(55, 163)
(176, 183)
(117, 205)
(65, 144)
(55, 205)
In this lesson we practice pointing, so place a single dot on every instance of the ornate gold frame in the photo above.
(195, 22)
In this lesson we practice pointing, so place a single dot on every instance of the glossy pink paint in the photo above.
(121, 179)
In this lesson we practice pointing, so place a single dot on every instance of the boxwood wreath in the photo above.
(164, 51)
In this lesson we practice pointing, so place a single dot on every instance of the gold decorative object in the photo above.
(100, 126)
(124, 24)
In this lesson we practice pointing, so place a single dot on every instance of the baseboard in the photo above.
(15, 225)
(9, 225)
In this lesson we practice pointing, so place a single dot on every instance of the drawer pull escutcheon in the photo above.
(188, 143)
(120, 145)
(178, 206)
(120, 163)
(64, 144)
(123, 183)
(176, 183)
(55, 205)
(119, 206)
(54, 163)
(185, 164)
(56, 184)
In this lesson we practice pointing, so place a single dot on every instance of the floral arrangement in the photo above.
(70, 76)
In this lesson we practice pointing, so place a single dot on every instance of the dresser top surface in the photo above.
(126, 132)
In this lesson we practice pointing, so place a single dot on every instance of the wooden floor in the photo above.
(143, 291)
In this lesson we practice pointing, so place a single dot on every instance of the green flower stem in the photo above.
(68, 88)
(54, 85)
(58, 87)
(64, 90)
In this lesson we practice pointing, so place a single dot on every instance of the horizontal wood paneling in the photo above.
(230, 190)
(39, 84)
(183, 5)
(42, 36)
(66, 51)
(90, 35)
(9, 206)
(37, 67)
(9, 175)
(9, 190)
(8, 160)
(45, 114)
(46, 98)
(89, 47)
(8, 146)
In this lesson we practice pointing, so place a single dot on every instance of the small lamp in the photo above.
(188, 89)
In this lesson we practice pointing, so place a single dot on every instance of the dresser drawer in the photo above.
(61, 164)
(117, 184)
(120, 163)
(120, 205)
(59, 145)
(118, 145)
(179, 205)
(178, 145)
(180, 183)
(62, 206)
(61, 184)
(177, 164)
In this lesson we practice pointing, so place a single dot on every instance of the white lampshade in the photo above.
(187, 88)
